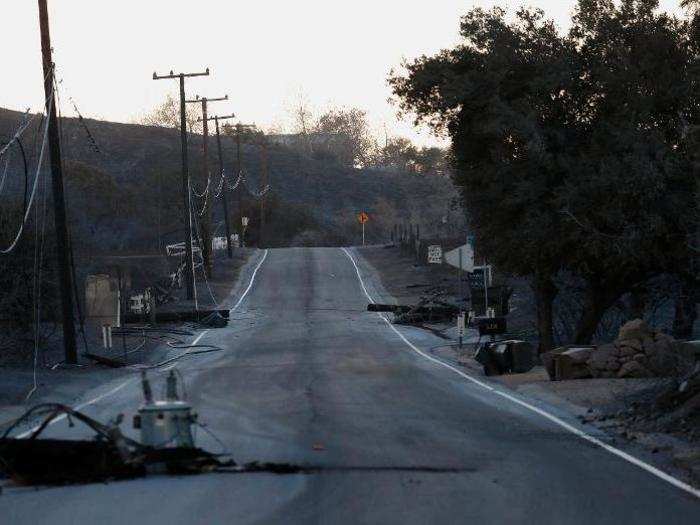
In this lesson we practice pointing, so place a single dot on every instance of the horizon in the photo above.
(320, 61)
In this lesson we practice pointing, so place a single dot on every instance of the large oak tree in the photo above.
(571, 151)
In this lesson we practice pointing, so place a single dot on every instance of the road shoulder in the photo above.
(591, 406)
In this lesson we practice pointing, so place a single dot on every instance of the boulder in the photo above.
(613, 365)
(572, 364)
(601, 357)
(629, 346)
(633, 369)
(548, 359)
(627, 351)
(635, 329)
(641, 359)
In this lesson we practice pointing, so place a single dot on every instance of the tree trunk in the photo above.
(638, 302)
(684, 317)
(597, 300)
(545, 292)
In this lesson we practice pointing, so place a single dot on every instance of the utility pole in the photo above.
(224, 198)
(240, 128)
(59, 204)
(206, 211)
(263, 185)
(189, 272)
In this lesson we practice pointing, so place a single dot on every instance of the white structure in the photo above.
(101, 300)
(452, 257)
(434, 254)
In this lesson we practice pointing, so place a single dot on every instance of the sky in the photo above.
(264, 54)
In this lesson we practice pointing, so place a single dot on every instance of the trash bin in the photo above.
(503, 357)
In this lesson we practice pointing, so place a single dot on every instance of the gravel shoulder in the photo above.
(605, 405)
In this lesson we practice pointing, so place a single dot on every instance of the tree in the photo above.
(398, 153)
(351, 124)
(493, 95)
(302, 114)
(634, 101)
(167, 115)
(568, 149)
(432, 160)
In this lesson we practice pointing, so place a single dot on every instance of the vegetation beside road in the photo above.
(575, 153)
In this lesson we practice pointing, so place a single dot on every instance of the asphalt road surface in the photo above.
(307, 376)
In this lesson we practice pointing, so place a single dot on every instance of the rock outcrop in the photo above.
(638, 351)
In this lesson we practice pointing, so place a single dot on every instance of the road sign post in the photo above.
(362, 218)
(244, 227)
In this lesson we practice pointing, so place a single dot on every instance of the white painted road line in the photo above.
(250, 284)
(134, 379)
(554, 419)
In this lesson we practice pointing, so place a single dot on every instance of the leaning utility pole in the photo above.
(59, 204)
(224, 198)
(208, 194)
(189, 272)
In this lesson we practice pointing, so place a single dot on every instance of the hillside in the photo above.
(133, 157)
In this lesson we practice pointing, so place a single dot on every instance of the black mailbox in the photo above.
(492, 325)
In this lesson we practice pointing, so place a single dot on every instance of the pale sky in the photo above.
(260, 52)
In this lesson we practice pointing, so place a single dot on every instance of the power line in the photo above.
(28, 208)
(221, 191)
(206, 208)
(189, 274)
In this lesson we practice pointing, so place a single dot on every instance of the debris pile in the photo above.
(166, 445)
(431, 308)
(637, 352)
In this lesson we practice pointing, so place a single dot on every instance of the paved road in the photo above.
(307, 376)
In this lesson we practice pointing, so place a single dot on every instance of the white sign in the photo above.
(453, 257)
(178, 249)
(435, 254)
(218, 243)
(244, 221)
(460, 324)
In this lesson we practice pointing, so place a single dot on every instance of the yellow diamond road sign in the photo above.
(362, 217)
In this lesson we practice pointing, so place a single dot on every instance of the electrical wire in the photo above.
(235, 184)
(255, 194)
(205, 191)
(200, 213)
(26, 175)
(4, 172)
(20, 130)
(82, 122)
(220, 188)
(199, 239)
(38, 259)
(13, 244)
(71, 260)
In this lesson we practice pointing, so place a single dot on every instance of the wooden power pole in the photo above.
(241, 128)
(59, 204)
(208, 198)
(263, 186)
(189, 270)
(224, 198)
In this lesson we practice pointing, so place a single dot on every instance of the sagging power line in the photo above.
(206, 210)
(189, 273)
